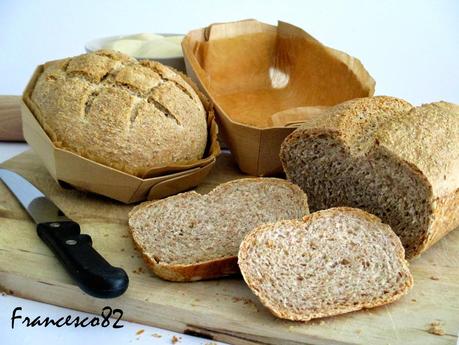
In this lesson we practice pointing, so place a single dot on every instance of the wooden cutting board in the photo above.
(223, 309)
(10, 119)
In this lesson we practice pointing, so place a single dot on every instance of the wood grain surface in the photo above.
(224, 309)
(10, 119)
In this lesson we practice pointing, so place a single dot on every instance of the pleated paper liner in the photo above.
(85, 174)
(253, 71)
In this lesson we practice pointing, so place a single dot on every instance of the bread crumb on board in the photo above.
(246, 301)
(140, 331)
(242, 299)
(175, 340)
(6, 292)
(436, 328)
(139, 270)
(156, 335)
(434, 278)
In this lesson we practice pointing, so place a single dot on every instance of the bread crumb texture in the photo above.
(436, 328)
(127, 114)
(187, 230)
(381, 154)
(335, 261)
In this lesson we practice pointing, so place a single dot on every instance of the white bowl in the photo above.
(176, 62)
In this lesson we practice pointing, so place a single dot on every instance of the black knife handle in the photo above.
(93, 274)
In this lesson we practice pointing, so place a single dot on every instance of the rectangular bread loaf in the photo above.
(381, 154)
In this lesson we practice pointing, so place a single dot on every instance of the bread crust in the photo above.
(249, 241)
(445, 218)
(209, 269)
(439, 172)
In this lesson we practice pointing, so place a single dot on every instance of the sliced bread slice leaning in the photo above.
(333, 262)
(190, 237)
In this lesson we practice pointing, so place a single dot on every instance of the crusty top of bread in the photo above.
(130, 115)
(178, 234)
(426, 137)
(333, 262)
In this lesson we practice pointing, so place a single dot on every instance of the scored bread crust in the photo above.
(127, 114)
(394, 130)
(284, 313)
(209, 269)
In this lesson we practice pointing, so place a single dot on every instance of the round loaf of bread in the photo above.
(127, 114)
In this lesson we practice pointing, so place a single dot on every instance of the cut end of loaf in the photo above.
(349, 162)
(335, 261)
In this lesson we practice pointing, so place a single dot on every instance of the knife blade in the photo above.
(92, 273)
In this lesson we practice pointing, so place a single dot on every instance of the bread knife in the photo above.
(92, 273)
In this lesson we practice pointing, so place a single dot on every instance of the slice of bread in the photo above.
(189, 236)
(332, 262)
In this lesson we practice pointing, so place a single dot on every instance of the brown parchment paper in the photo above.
(263, 79)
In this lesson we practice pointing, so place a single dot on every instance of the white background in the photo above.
(411, 48)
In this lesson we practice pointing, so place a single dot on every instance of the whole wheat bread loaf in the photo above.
(381, 154)
(127, 114)
(189, 236)
(332, 262)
